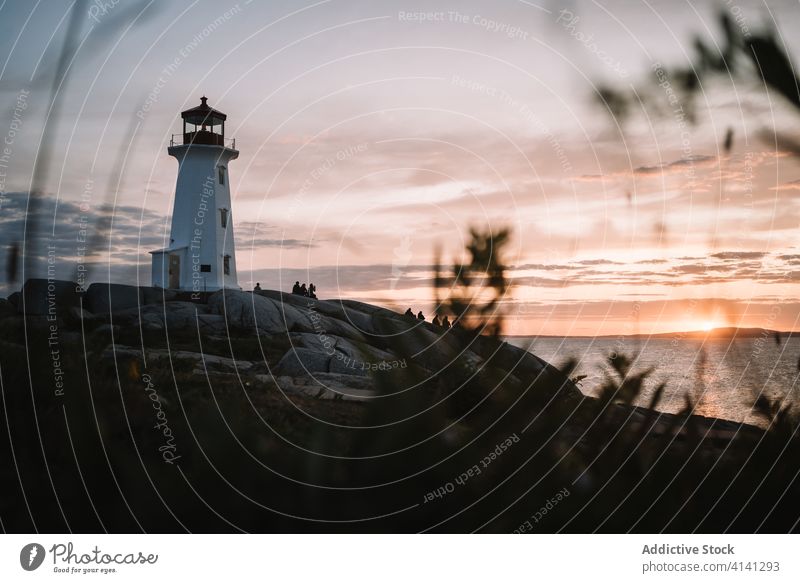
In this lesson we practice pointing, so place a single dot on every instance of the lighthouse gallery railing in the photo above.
(201, 138)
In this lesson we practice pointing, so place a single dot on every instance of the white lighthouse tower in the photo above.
(201, 254)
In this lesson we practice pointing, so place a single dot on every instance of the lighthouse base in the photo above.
(178, 269)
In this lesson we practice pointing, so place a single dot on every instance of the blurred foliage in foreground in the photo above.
(751, 64)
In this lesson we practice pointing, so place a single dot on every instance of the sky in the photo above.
(374, 134)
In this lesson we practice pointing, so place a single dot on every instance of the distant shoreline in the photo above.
(726, 333)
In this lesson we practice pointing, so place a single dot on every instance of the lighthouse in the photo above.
(200, 255)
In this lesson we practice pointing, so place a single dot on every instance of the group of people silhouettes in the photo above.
(444, 322)
(302, 290)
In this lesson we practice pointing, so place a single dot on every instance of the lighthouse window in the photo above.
(221, 174)
(205, 267)
(223, 217)
(226, 265)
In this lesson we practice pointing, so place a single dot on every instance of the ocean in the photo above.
(722, 376)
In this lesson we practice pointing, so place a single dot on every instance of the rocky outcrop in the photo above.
(202, 362)
(317, 347)
(43, 297)
(7, 308)
(174, 316)
(326, 386)
(337, 350)
(358, 340)
(277, 313)
(303, 361)
(102, 298)
(246, 312)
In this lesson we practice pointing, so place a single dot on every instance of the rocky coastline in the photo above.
(277, 407)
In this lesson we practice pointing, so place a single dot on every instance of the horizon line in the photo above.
(640, 335)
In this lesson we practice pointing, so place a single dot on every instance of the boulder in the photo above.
(513, 359)
(321, 324)
(15, 299)
(346, 357)
(415, 341)
(528, 368)
(274, 313)
(179, 315)
(107, 329)
(112, 297)
(156, 295)
(209, 362)
(43, 297)
(361, 317)
(175, 316)
(360, 306)
(363, 352)
(212, 324)
(285, 298)
(358, 320)
(318, 342)
(216, 363)
(254, 312)
(302, 362)
(79, 318)
(7, 308)
(341, 364)
(325, 386)
(335, 309)
(321, 316)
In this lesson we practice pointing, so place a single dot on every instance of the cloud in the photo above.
(281, 243)
(673, 167)
(251, 236)
(692, 268)
(544, 267)
(62, 233)
(719, 267)
(651, 261)
(594, 177)
(739, 255)
(793, 185)
(598, 262)
(690, 162)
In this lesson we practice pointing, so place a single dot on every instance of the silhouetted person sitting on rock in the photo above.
(435, 320)
(258, 287)
(409, 313)
(296, 288)
(420, 316)
(312, 291)
(445, 322)
(303, 290)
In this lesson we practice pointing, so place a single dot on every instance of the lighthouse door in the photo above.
(174, 271)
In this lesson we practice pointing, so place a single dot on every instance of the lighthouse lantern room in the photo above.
(200, 255)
